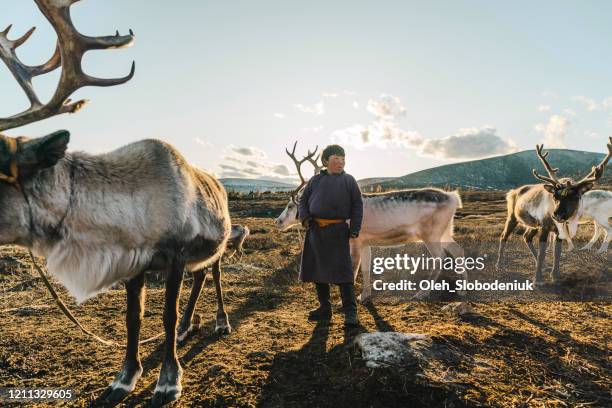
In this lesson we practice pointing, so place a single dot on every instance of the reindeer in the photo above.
(554, 207)
(390, 219)
(597, 204)
(99, 219)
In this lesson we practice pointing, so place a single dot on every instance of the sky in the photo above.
(402, 85)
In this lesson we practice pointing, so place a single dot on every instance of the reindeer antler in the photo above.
(315, 162)
(598, 170)
(298, 165)
(69, 51)
(552, 179)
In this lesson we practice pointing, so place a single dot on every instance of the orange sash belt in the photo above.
(322, 222)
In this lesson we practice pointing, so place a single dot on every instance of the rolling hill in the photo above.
(496, 173)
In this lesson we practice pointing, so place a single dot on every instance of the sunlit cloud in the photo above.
(279, 115)
(330, 95)
(554, 131)
(543, 108)
(355, 104)
(469, 143)
(386, 107)
(380, 133)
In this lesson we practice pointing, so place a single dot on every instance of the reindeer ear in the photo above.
(549, 188)
(43, 152)
(583, 188)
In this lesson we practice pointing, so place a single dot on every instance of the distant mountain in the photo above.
(496, 173)
(242, 185)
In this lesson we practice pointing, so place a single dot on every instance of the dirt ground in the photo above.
(540, 354)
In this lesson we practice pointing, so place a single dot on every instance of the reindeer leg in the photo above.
(366, 287)
(593, 240)
(555, 274)
(528, 238)
(186, 325)
(607, 231)
(541, 256)
(168, 386)
(125, 380)
(222, 325)
(511, 224)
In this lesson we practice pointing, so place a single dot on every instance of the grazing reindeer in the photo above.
(391, 219)
(552, 207)
(597, 204)
(99, 219)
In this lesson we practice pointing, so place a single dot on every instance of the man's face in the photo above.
(335, 164)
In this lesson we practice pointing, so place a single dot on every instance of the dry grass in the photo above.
(542, 354)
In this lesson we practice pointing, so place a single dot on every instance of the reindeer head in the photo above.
(21, 160)
(290, 215)
(567, 193)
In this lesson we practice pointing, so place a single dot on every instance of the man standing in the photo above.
(327, 202)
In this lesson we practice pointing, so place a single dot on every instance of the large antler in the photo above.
(552, 179)
(71, 45)
(298, 165)
(315, 162)
(598, 170)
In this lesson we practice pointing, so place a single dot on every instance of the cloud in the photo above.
(316, 109)
(248, 151)
(607, 103)
(281, 169)
(549, 94)
(589, 104)
(250, 162)
(355, 104)
(543, 108)
(554, 131)
(202, 142)
(469, 143)
(386, 107)
(330, 95)
(380, 133)
(279, 115)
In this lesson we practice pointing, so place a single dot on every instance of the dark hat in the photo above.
(331, 150)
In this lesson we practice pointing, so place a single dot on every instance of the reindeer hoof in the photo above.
(161, 398)
(183, 334)
(112, 396)
(222, 326)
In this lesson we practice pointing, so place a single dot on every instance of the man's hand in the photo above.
(354, 235)
(306, 223)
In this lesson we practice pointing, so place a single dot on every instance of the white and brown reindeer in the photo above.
(596, 204)
(99, 219)
(391, 219)
(553, 207)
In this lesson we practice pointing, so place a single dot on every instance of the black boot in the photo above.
(324, 311)
(349, 304)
